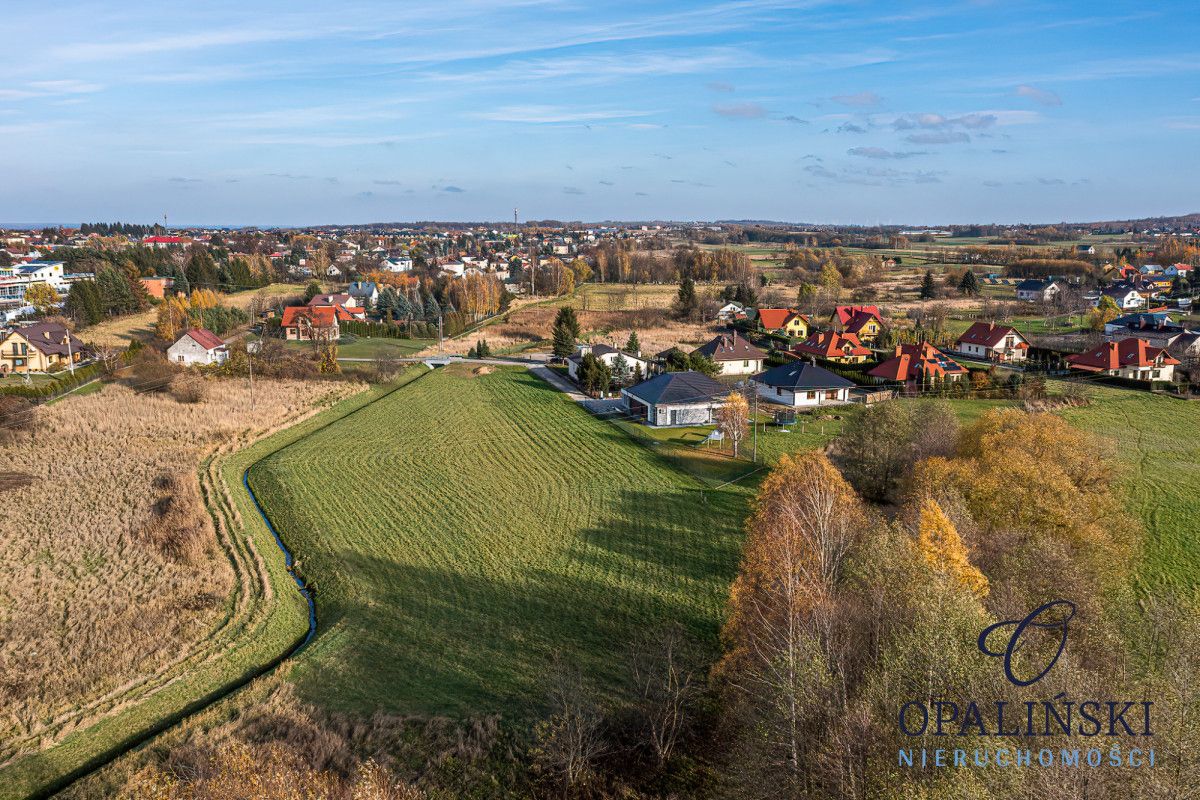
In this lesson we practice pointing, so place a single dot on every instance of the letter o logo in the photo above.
(1051, 616)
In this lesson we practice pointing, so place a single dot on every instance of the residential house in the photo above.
(844, 348)
(798, 383)
(39, 347)
(1156, 327)
(313, 323)
(161, 242)
(1186, 347)
(398, 264)
(731, 312)
(1150, 269)
(609, 356)
(364, 293)
(198, 347)
(918, 364)
(1178, 271)
(733, 354)
(15, 280)
(786, 321)
(1126, 297)
(1132, 359)
(1039, 290)
(992, 342)
(865, 322)
(676, 398)
(1085, 250)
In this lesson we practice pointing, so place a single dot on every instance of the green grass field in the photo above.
(1158, 440)
(380, 347)
(463, 531)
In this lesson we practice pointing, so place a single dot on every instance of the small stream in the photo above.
(290, 561)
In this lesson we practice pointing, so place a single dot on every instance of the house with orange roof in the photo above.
(1132, 359)
(918, 364)
(787, 321)
(313, 323)
(844, 348)
(865, 322)
(992, 342)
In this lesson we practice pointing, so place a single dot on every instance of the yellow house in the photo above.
(787, 321)
(40, 347)
(865, 322)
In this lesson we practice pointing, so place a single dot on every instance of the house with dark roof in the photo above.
(676, 398)
(39, 347)
(198, 346)
(608, 355)
(865, 322)
(365, 292)
(1156, 327)
(1132, 359)
(992, 342)
(799, 383)
(1039, 290)
(918, 364)
(844, 348)
(733, 354)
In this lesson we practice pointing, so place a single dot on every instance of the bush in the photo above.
(189, 388)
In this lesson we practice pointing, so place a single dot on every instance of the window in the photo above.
(745, 363)
(779, 391)
(812, 395)
(831, 394)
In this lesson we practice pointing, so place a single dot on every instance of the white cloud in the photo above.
(541, 114)
(1043, 97)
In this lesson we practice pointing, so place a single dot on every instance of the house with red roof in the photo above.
(313, 323)
(833, 346)
(159, 242)
(1132, 359)
(865, 322)
(992, 342)
(918, 364)
(787, 321)
(198, 346)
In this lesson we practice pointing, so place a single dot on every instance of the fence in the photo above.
(57, 387)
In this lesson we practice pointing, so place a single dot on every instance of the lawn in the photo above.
(381, 347)
(464, 530)
(1158, 439)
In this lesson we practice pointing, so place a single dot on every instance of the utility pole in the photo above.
(440, 340)
(250, 348)
(70, 355)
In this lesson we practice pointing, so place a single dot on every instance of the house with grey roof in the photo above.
(799, 383)
(676, 398)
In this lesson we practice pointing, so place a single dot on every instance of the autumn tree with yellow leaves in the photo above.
(943, 550)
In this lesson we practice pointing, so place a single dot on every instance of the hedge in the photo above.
(48, 391)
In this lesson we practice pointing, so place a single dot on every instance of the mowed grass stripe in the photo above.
(463, 530)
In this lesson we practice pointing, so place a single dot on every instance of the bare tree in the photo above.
(662, 666)
(569, 742)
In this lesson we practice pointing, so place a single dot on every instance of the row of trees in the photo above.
(840, 616)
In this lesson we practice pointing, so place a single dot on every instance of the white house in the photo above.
(676, 398)
(609, 356)
(798, 383)
(1126, 297)
(1036, 290)
(733, 354)
(396, 264)
(992, 342)
(198, 346)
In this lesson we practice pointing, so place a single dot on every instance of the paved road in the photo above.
(570, 390)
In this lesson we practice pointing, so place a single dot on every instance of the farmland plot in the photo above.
(465, 531)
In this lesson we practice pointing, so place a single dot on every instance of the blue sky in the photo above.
(277, 113)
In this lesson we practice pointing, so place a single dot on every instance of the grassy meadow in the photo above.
(466, 531)
(116, 634)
